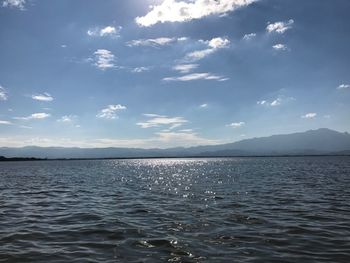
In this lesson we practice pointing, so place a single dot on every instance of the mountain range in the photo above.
(313, 142)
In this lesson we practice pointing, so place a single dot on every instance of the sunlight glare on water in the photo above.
(176, 210)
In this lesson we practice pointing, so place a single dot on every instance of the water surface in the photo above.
(176, 210)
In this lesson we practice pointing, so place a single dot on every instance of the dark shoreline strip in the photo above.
(19, 159)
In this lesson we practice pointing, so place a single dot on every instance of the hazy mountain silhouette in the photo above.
(321, 141)
(313, 141)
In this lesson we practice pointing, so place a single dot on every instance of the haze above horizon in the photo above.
(168, 73)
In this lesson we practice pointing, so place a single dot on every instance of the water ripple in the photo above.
(177, 210)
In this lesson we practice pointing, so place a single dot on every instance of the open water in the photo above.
(283, 209)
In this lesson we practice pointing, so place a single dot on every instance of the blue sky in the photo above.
(138, 73)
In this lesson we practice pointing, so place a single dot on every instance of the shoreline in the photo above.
(28, 159)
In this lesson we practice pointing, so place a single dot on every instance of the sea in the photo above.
(256, 209)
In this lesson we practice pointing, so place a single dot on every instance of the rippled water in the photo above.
(176, 210)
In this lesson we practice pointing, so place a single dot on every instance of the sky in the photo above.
(168, 73)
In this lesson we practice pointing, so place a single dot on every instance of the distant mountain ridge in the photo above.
(312, 142)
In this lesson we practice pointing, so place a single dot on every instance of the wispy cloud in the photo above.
(310, 115)
(213, 45)
(181, 138)
(25, 127)
(3, 93)
(104, 59)
(67, 119)
(262, 102)
(275, 102)
(140, 69)
(14, 3)
(280, 27)
(199, 54)
(156, 120)
(203, 106)
(181, 11)
(155, 42)
(159, 140)
(5, 122)
(196, 76)
(249, 36)
(185, 68)
(340, 87)
(151, 115)
(108, 31)
(110, 112)
(236, 124)
(42, 97)
(186, 130)
(280, 47)
(34, 116)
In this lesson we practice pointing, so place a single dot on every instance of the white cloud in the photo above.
(181, 11)
(340, 87)
(262, 102)
(14, 3)
(218, 42)
(182, 39)
(5, 122)
(276, 102)
(154, 42)
(310, 115)
(104, 59)
(204, 105)
(249, 36)
(156, 120)
(67, 118)
(110, 112)
(43, 97)
(280, 27)
(108, 31)
(3, 93)
(279, 47)
(140, 69)
(185, 68)
(236, 124)
(196, 76)
(34, 116)
(213, 45)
